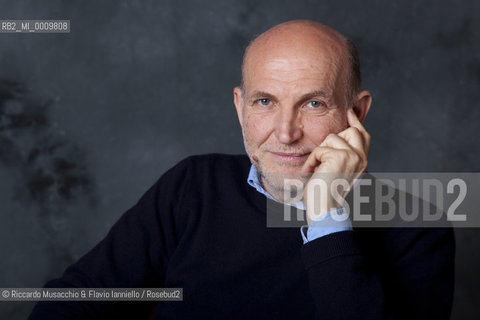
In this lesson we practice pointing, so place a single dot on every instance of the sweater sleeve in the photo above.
(415, 282)
(133, 254)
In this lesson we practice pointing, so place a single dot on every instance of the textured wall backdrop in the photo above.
(90, 119)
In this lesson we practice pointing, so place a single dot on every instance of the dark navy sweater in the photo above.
(202, 228)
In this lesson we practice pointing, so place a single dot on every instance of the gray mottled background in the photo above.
(90, 119)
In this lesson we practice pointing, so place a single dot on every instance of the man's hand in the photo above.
(343, 155)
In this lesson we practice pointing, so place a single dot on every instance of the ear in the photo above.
(362, 105)
(238, 100)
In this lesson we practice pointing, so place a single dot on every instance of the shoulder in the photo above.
(205, 170)
(205, 164)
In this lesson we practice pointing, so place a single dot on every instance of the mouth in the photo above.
(294, 159)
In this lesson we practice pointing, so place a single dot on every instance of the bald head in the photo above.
(309, 40)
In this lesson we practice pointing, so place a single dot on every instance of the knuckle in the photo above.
(354, 129)
(330, 136)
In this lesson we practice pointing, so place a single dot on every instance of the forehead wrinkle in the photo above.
(322, 66)
(307, 76)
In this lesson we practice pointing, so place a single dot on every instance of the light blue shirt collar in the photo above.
(254, 181)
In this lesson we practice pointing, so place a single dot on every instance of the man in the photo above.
(202, 226)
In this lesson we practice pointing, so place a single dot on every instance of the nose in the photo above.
(288, 127)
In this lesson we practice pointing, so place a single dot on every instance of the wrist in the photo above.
(316, 210)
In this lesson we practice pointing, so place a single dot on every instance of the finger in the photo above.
(315, 158)
(336, 142)
(354, 138)
(354, 122)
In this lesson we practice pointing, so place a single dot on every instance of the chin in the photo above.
(275, 177)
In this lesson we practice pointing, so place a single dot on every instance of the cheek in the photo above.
(317, 129)
(256, 128)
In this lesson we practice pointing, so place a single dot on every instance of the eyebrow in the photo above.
(261, 95)
(313, 94)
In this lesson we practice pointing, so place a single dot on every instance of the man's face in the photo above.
(291, 102)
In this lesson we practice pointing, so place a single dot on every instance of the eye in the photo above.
(264, 101)
(315, 104)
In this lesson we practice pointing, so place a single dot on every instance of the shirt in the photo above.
(321, 226)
